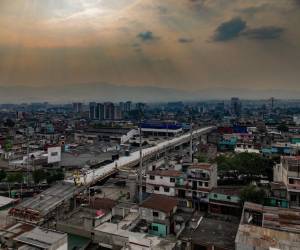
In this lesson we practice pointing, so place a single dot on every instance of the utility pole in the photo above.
(141, 163)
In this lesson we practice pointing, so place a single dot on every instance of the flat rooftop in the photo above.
(263, 238)
(48, 200)
(40, 237)
(215, 232)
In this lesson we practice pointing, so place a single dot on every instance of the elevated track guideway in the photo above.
(37, 209)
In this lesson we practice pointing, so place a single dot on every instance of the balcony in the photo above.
(199, 177)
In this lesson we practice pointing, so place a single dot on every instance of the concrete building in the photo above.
(43, 239)
(225, 201)
(77, 107)
(96, 111)
(161, 129)
(158, 211)
(201, 178)
(265, 228)
(209, 233)
(236, 106)
(288, 173)
(109, 111)
(163, 181)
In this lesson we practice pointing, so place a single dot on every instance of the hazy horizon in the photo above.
(132, 49)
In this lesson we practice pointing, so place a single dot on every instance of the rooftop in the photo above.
(40, 237)
(214, 232)
(168, 172)
(285, 219)
(45, 202)
(160, 203)
(103, 203)
(204, 166)
(4, 201)
(264, 238)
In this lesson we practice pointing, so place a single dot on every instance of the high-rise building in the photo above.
(96, 111)
(93, 110)
(236, 106)
(77, 107)
(109, 111)
(117, 113)
(128, 106)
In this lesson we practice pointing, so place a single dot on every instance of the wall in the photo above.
(162, 230)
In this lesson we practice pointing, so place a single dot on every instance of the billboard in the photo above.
(54, 154)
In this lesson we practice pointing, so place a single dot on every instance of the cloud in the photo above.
(229, 30)
(185, 40)
(264, 33)
(146, 36)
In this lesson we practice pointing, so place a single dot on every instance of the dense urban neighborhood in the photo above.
(180, 175)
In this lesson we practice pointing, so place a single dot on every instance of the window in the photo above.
(155, 214)
(206, 184)
(228, 197)
(293, 197)
(172, 179)
(215, 196)
(291, 181)
(156, 188)
(54, 153)
(166, 189)
(161, 177)
(154, 228)
(152, 177)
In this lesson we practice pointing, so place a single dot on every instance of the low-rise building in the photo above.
(266, 228)
(44, 239)
(163, 181)
(288, 172)
(158, 211)
(225, 200)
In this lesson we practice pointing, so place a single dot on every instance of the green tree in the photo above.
(15, 177)
(283, 128)
(58, 175)
(7, 145)
(2, 175)
(202, 157)
(252, 193)
(39, 175)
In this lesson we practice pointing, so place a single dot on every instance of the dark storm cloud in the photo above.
(185, 40)
(230, 30)
(146, 36)
(264, 33)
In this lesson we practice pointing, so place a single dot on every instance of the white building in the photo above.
(162, 182)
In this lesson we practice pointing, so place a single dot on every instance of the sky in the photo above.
(183, 45)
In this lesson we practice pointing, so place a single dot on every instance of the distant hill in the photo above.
(111, 92)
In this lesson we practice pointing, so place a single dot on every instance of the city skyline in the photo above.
(189, 49)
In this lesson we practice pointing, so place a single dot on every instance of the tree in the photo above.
(7, 145)
(283, 128)
(15, 177)
(2, 175)
(39, 175)
(56, 176)
(254, 194)
(248, 164)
